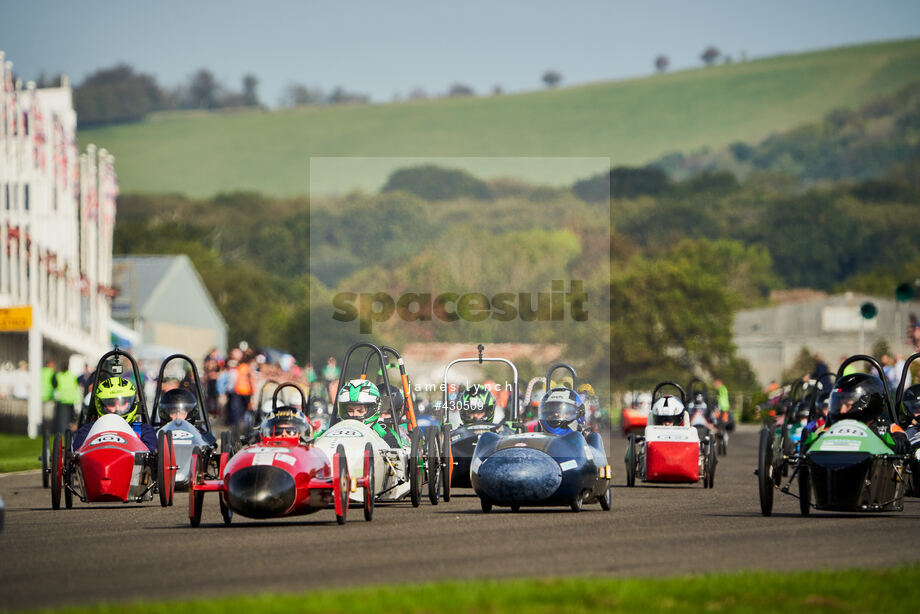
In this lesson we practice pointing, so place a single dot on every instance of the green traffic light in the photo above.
(904, 292)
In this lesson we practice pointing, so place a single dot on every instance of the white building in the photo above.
(770, 338)
(57, 215)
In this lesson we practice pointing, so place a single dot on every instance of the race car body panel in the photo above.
(391, 481)
(672, 454)
(110, 463)
(463, 440)
(536, 469)
(852, 469)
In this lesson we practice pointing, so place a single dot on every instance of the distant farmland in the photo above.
(631, 122)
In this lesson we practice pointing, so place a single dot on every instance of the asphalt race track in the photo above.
(95, 553)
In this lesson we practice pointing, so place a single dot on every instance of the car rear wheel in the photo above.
(163, 465)
(46, 458)
(57, 471)
(447, 463)
(765, 471)
(195, 497)
(434, 467)
(341, 483)
(631, 461)
(804, 489)
(606, 499)
(415, 467)
(579, 502)
(368, 482)
(68, 455)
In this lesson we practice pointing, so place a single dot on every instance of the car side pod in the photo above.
(261, 491)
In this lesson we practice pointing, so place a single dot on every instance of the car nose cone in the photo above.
(261, 491)
(519, 475)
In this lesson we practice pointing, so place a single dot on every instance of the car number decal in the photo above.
(266, 450)
(108, 438)
(182, 435)
(842, 445)
(263, 458)
(847, 431)
(569, 464)
(346, 432)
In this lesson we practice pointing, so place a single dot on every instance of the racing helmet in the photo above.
(857, 396)
(476, 404)
(286, 422)
(668, 411)
(116, 395)
(359, 399)
(561, 411)
(911, 402)
(178, 399)
(394, 400)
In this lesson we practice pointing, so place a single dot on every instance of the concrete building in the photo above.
(164, 300)
(771, 338)
(57, 215)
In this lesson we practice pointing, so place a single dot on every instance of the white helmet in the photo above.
(668, 411)
(643, 401)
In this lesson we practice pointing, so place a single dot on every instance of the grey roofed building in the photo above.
(165, 300)
(771, 338)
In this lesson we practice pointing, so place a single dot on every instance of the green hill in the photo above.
(631, 122)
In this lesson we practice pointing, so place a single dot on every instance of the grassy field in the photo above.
(18, 452)
(631, 122)
(890, 590)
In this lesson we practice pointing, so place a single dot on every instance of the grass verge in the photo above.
(18, 452)
(883, 590)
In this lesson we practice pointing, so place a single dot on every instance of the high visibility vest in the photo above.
(47, 385)
(68, 388)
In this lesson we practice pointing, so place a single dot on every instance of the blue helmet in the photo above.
(561, 411)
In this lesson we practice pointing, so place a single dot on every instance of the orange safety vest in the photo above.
(243, 386)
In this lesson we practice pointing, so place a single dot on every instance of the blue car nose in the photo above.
(261, 491)
(519, 475)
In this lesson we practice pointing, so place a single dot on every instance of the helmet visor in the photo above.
(357, 411)
(842, 402)
(284, 427)
(120, 405)
(558, 411)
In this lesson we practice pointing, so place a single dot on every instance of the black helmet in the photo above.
(911, 403)
(178, 399)
(857, 396)
(478, 400)
(389, 401)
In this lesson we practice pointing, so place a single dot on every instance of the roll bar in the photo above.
(199, 394)
(881, 374)
(117, 369)
(515, 409)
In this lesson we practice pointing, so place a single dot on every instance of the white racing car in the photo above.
(376, 423)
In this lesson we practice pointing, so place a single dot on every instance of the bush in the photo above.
(435, 183)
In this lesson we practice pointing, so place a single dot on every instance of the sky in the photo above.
(386, 49)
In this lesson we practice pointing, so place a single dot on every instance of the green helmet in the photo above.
(359, 399)
(116, 395)
(476, 404)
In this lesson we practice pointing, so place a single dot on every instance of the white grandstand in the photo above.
(57, 215)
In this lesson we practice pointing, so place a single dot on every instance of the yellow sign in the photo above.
(16, 318)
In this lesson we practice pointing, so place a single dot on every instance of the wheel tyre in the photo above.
(579, 502)
(486, 505)
(369, 485)
(195, 497)
(341, 484)
(631, 461)
(68, 455)
(447, 463)
(712, 465)
(46, 459)
(765, 471)
(171, 482)
(226, 442)
(163, 469)
(804, 490)
(225, 511)
(434, 467)
(415, 471)
(57, 471)
(606, 499)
